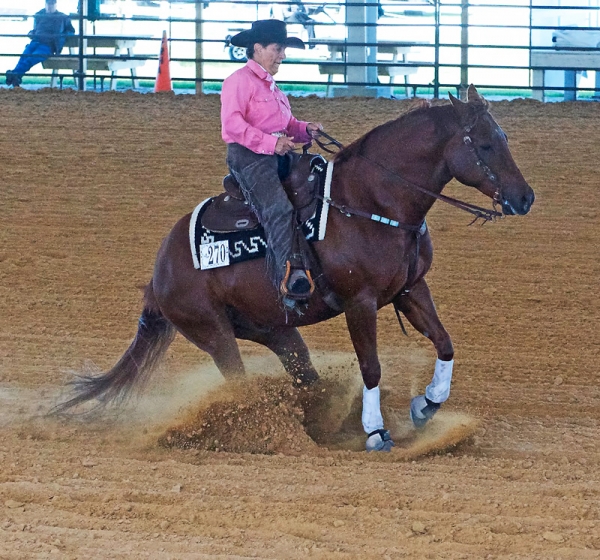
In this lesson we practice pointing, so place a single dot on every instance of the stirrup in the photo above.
(299, 288)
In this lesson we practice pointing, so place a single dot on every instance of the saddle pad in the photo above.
(211, 249)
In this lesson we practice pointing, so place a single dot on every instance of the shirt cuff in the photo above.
(305, 136)
(267, 146)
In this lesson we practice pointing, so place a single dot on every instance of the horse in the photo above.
(377, 251)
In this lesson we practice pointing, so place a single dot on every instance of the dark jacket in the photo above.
(51, 29)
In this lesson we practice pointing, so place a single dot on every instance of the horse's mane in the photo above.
(476, 108)
(356, 147)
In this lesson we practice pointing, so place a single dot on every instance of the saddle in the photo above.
(301, 176)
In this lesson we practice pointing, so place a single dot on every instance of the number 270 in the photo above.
(216, 255)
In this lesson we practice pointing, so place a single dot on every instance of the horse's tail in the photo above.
(154, 335)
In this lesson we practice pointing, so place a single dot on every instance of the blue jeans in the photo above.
(33, 54)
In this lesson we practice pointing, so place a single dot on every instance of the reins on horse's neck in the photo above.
(373, 217)
(480, 213)
(332, 142)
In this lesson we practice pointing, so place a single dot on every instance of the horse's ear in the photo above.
(461, 108)
(458, 104)
(473, 94)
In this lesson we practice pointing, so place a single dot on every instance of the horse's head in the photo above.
(478, 156)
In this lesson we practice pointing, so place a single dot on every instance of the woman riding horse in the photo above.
(259, 129)
(376, 251)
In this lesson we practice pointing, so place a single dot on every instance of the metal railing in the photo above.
(452, 43)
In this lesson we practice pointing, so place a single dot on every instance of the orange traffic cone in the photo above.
(163, 79)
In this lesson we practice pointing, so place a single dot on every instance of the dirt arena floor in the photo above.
(90, 185)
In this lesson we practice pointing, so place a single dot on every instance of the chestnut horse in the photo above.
(396, 171)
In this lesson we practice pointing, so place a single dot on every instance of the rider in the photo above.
(259, 129)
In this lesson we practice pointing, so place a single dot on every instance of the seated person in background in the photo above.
(294, 11)
(50, 30)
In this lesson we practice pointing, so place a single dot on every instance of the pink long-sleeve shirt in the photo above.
(253, 108)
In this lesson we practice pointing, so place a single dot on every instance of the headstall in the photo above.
(484, 214)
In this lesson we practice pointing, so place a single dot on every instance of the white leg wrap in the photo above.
(438, 390)
(371, 412)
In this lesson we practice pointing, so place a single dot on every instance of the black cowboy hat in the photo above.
(265, 32)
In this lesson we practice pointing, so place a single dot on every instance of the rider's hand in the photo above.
(313, 129)
(284, 145)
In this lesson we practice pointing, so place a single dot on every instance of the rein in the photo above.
(479, 212)
(373, 217)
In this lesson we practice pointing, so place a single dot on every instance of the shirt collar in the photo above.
(261, 72)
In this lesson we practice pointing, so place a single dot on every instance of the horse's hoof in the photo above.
(379, 440)
(422, 410)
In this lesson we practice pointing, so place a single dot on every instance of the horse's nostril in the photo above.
(527, 201)
(531, 198)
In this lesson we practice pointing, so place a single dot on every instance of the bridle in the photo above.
(497, 198)
(479, 212)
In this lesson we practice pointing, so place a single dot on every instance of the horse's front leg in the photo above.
(418, 307)
(361, 318)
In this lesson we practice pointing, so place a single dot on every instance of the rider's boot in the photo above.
(297, 283)
(10, 76)
(15, 79)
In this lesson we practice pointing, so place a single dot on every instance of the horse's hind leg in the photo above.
(291, 349)
(418, 307)
(188, 299)
(287, 344)
(215, 336)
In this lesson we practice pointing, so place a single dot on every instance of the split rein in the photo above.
(480, 213)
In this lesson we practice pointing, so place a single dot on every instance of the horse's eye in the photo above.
(485, 147)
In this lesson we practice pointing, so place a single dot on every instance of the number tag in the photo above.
(213, 255)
